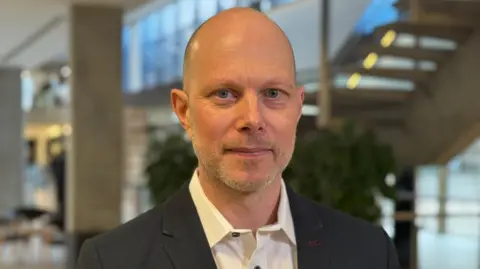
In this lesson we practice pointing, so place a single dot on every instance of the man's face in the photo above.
(243, 110)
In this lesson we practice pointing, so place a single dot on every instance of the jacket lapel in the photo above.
(186, 245)
(184, 239)
(312, 245)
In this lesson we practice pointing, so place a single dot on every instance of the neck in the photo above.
(243, 210)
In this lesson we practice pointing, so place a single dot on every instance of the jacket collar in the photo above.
(216, 226)
(186, 244)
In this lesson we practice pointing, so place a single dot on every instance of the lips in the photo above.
(249, 152)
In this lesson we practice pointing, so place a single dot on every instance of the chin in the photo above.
(245, 181)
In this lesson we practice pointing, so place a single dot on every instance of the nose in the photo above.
(251, 117)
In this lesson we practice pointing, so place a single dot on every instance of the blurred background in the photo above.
(86, 126)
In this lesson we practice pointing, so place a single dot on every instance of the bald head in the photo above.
(235, 30)
(240, 92)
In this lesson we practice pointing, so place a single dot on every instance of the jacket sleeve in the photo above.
(89, 257)
(392, 257)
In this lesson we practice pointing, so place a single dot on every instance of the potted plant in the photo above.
(170, 163)
(343, 169)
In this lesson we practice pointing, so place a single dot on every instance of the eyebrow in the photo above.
(226, 82)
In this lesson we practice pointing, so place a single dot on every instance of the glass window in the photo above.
(206, 9)
(186, 15)
(148, 50)
(167, 20)
(280, 2)
(28, 92)
(226, 4)
(266, 5)
(184, 36)
(148, 63)
(126, 58)
(148, 28)
(168, 59)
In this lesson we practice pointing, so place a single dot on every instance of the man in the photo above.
(240, 106)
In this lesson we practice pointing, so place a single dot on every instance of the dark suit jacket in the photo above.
(171, 236)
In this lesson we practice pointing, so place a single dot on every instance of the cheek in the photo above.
(207, 125)
(284, 124)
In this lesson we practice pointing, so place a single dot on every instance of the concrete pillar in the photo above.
(95, 160)
(11, 141)
(324, 93)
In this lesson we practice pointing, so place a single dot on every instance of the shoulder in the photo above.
(346, 227)
(133, 238)
(365, 243)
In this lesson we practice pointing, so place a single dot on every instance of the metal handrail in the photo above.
(410, 215)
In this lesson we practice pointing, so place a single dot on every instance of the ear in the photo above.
(179, 100)
(301, 92)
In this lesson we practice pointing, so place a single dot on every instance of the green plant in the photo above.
(343, 169)
(170, 163)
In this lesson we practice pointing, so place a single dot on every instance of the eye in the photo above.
(224, 94)
(272, 93)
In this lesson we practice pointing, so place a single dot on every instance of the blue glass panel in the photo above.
(169, 63)
(147, 27)
(206, 9)
(281, 2)
(126, 36)
(28, 92)
(378, 13)
(226, 4)
(186, 13)
(183, 36)
(168, 23)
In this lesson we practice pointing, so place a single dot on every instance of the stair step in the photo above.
(415, 75)
(453, 7)
(433, 55)
(363, 97)
(456, 33)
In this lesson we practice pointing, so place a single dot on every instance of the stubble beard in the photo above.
(218, 172)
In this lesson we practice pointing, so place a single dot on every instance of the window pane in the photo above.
(167, 20)
(126, 58)
(226, 4)
(280, 2)
(186, 14)
(184, 36)
(148, 28)
(169, 59)
(206, 9)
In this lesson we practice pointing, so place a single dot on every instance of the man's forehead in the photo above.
(252, 41)
(249, 80)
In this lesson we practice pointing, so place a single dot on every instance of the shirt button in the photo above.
(257, 267)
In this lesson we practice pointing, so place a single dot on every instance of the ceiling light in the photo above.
(388, 38)
(370, 60)
(66, 71)
(353, 81)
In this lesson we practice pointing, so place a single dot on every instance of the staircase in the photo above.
(416, 82)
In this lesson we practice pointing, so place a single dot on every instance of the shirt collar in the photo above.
(215, 225)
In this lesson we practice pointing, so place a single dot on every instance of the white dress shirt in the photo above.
(273, 247)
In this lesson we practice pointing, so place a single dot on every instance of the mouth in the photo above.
(249, 152)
